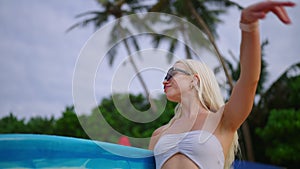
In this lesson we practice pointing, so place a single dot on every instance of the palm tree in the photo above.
(199, 14)
(282, 94)
(114, 9)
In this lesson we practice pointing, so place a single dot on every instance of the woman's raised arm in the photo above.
(241, 100)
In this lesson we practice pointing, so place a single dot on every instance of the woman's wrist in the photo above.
(249, 27)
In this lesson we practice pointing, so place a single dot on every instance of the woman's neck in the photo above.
(191, 107)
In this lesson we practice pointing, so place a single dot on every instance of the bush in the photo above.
(281, 137)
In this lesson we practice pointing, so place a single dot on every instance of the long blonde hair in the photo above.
(210, 97)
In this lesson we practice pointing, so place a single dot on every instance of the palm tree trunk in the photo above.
(211, 39)
(244, 127)
(140, 78)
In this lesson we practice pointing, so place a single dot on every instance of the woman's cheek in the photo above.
(173, 95)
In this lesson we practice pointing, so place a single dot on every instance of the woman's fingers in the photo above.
(279, 10)
(259, 10)
(281, 13)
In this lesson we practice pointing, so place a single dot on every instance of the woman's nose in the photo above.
(165, 82)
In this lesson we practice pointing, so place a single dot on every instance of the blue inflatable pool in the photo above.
(24, 151)
(45, 151)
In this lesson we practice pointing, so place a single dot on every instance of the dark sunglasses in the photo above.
(171, 73)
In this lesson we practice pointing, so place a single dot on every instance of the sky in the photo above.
(38, 57)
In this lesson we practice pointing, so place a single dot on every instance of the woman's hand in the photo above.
(259, 10)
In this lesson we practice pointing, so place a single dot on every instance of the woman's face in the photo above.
(177, 82)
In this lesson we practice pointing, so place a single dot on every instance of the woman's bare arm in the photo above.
(241, 101)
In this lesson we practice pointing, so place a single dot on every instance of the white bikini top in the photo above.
(201, 146)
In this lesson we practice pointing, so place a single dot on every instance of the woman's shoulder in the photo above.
(155, 136)
(158, 130)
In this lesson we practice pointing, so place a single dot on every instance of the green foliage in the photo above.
(284, 93)
(294, 96)
(115, 110)
(40, 125)
(119, 117)
(69, 125)
(11, 124)
(281, 136)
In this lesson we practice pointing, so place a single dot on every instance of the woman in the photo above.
(203, 132)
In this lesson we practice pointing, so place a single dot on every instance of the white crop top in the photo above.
(201, 146)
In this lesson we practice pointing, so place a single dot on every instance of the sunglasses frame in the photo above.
(171, 70)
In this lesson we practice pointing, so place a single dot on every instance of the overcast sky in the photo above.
(38, 57)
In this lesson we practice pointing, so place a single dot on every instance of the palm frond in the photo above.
(97, 19)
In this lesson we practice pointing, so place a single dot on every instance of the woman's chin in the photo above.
(172, 98)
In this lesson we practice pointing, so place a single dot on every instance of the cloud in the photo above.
(37, 56)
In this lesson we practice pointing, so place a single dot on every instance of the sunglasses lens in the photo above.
(169, 75)
(172, 72)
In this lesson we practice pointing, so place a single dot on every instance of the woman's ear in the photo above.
(196, 80)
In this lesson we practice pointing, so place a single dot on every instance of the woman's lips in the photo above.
(166, 87)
